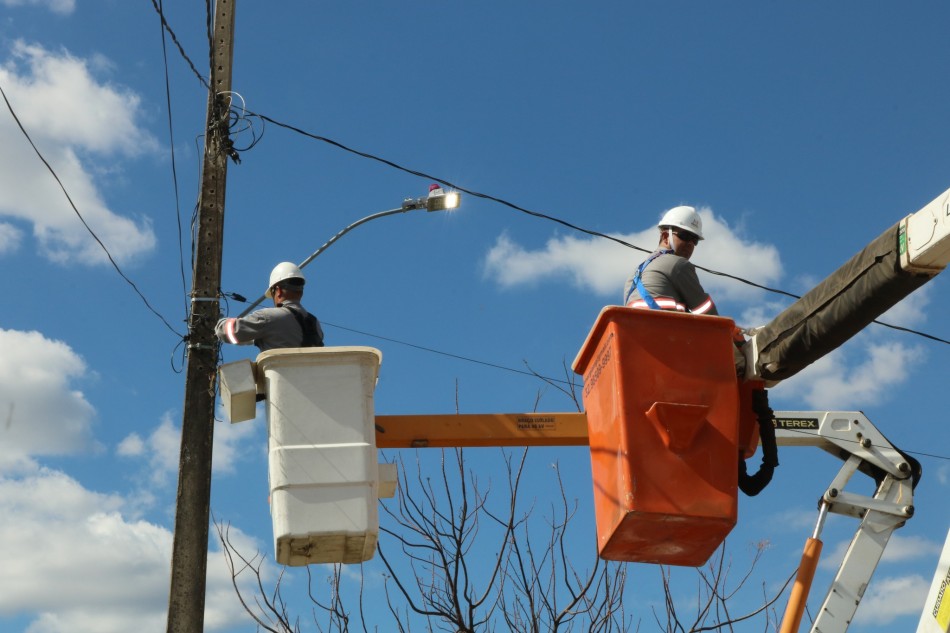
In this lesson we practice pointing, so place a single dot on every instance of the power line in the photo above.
(171, 143)
(81, 218)
(448, 354)
(542, 377)
(181, 50)
(485, 196)
(857, 442)
(545, 216)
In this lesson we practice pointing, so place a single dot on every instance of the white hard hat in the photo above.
(684, 218)
(284, 271)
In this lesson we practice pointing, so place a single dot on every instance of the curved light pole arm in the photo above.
(333, 239)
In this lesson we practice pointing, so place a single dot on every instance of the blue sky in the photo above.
(801, 131)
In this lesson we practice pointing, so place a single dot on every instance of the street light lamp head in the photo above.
(444, 202)
(437, 200)
(440, 200)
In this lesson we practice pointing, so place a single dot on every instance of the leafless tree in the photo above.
(460, 558)
(714, 593)
(457, 562)
(527, 584)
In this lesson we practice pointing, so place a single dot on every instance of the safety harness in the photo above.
(638, 283)
(312, 336)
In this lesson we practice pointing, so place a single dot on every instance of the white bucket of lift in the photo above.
(323, 469)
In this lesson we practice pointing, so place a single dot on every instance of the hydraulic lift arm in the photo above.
(846, 435)
(850, 436)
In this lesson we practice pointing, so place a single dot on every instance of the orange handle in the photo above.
(799, 596)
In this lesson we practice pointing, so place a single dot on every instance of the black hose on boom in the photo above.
(752, 485)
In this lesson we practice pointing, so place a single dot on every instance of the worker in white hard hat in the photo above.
(667, 280)
(287, 324)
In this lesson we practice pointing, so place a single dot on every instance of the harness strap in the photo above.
(638, 284)
(310, 336)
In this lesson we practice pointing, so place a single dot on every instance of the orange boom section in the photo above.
(661, 397)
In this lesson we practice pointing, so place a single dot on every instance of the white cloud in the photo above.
(41, 412)
(75, 559)
(163, 448)
(56, 6)
(761, 312)
(890, 598)
(900, 549)
(131, 446)
(73, 562)
(57, 98)
(10, 238)
(943, 474)
(70, 116)
(601, 266)
(846, 379)
(910, 311)
(904, 548)
(594, 264)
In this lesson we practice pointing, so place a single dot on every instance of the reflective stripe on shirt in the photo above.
(229, 331)
(665, 303)
(704, 307)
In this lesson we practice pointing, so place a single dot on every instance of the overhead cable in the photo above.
(181, 50)
(79, 215)
(551, 218)
(174, 163)
(476, 194)
(450, 355)
(536, 375)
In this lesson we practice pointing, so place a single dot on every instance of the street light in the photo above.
(437, 200)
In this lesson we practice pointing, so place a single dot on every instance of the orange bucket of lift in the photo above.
(661, 397)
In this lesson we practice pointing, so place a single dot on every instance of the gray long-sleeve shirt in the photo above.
(268, 328)
(672, 281)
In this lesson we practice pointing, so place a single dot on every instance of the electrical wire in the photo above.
(535, 375)
(448, 354)
(171, 142)
(545, 216)
(542, 377)
(476, 194)
(878, 446)
(240, 123)
(181, 50)
(264, 118)
(115, 265)
(209, 25)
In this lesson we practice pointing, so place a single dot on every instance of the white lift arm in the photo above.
(851, 437)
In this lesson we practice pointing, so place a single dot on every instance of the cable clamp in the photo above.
(201, 346)
(196, 299)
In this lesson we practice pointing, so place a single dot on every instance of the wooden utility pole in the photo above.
(186, 600)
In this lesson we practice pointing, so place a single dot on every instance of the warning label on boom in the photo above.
(536, 422)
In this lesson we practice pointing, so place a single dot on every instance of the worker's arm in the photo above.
(690, 290)
(242, 331)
